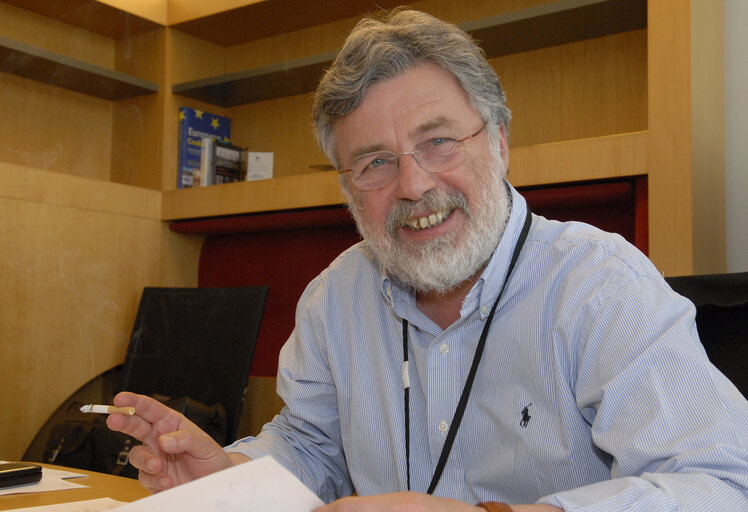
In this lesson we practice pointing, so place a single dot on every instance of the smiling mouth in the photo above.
(429, 222)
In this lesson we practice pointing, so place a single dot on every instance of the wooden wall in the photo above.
(74, 255)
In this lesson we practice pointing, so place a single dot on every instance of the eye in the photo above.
(376, 162)
(438, 146)
(373, 162)
(438, 141)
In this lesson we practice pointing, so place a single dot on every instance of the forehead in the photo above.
(400, 109)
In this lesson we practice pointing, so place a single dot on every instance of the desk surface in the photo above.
(100, 485)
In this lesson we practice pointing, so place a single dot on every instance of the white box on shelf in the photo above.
(258, 165)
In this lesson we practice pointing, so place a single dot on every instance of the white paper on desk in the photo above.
(61, 473)
(52, 480)
(261, 485)
(95, 505)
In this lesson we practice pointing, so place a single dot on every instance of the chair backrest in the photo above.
(196, 343)
(721, 302)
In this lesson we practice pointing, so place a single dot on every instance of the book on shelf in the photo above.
(194, 126)
(227, 163)
(206, 173)
(220, 162)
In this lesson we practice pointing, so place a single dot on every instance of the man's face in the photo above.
(431, 231)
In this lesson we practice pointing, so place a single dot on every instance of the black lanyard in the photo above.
(461, 405)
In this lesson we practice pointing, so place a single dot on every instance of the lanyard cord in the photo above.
(462, 404)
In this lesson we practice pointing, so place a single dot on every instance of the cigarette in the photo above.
(108, 409)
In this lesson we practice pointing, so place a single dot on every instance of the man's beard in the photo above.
(443, 263)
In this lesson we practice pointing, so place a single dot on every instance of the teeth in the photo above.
(432, 220)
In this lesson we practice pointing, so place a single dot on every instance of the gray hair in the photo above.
(379, 49)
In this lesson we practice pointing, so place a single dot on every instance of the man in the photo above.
(466, 351)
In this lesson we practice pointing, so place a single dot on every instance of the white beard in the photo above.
(443, 263)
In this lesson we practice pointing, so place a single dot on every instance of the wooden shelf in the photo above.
(577, 160)
(595, 158)
(92, 15)
(559, 22)
(555, 23)
(30, 62)
(263, 18)
(284, 193)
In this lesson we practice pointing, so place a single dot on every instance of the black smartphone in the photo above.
(19, 473)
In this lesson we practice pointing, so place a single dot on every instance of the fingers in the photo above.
(151, 419)
(155, 483)
(146, 407)
(144, 459)
(198, 444)
(151, 469)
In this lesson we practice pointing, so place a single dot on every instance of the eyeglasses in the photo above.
(375, 170)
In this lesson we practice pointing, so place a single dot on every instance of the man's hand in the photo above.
(174, 450)
(415, 502)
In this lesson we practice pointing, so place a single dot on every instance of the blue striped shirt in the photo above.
(594, 392)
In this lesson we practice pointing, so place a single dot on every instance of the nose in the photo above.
(413, 180)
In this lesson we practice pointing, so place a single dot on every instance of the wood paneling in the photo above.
(585, 89)
(138, 145)
(74, 258)
(51, 128)
(708, 136)
(283, 126)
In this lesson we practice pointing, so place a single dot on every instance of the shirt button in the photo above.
(442, 426)
(444, 348)
(485, 310)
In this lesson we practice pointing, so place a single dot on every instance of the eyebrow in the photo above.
(438, 122)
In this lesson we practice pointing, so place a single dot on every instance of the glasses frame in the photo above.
(414, 154)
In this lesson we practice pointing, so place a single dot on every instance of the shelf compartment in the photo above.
(50, 68)
(554, 23)
(250, 22)
(258, 84)
(578, 160)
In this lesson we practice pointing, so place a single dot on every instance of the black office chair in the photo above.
(196, 344)
(721, 302)
(191, 345)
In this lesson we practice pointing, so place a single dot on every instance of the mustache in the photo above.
(433, 200)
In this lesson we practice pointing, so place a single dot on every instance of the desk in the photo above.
(100, 485)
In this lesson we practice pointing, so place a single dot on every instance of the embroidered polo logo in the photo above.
(525, 416)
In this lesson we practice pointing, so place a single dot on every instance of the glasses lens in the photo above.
(437, 155)
(374, 170)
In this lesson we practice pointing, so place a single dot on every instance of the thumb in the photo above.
(197, 444)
